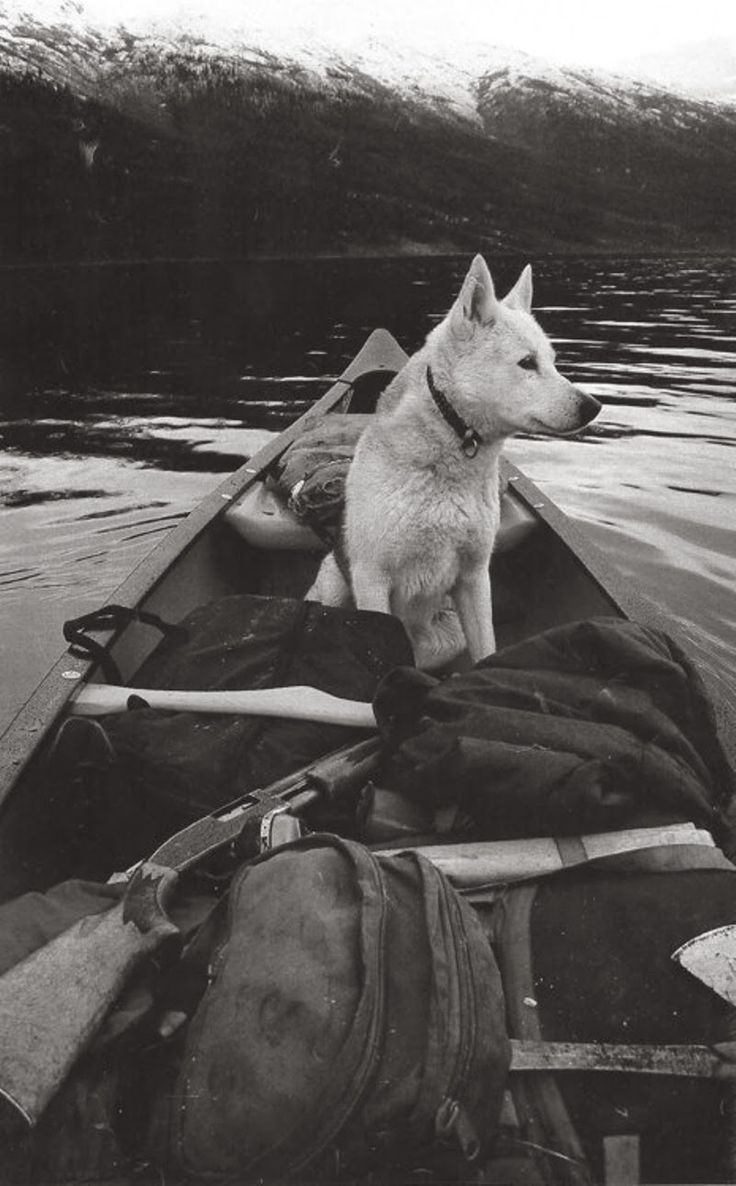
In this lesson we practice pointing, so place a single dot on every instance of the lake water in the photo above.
(126, 391)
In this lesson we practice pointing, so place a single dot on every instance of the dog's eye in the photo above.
(529, 362)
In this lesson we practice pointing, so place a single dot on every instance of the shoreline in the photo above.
(357, 254)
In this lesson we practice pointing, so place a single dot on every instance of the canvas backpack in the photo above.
(354, 1022)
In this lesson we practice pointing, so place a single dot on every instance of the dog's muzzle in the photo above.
(588, 407)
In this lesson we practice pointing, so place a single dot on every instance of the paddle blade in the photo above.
(711, 958)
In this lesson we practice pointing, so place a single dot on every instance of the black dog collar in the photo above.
(469, 438)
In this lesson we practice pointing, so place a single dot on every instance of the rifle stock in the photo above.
(53, 1003)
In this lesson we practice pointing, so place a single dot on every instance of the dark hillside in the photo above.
(655, 160)
(254, 164)
(179, 154)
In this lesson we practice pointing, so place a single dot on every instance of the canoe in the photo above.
(240, 539)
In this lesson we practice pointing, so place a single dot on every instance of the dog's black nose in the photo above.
(588, 406)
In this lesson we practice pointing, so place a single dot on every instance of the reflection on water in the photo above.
(125, 391)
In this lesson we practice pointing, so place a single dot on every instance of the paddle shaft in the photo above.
(299, 702)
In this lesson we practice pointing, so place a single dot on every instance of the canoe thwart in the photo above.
(701, 1062)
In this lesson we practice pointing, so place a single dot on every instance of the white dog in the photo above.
(422, 493)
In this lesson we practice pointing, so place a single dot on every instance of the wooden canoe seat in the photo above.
(262, 518)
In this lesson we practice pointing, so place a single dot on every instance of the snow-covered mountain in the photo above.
(704, 69)
(243, 138)
(60, 39)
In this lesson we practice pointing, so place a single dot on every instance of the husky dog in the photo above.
(422, 492)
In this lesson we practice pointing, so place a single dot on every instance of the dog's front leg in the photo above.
(472, 596)
(371, 588)
(330, 586)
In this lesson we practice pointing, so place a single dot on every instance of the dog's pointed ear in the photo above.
(476, 301)
(520, 296)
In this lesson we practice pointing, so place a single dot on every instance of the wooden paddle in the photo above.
(299, 702)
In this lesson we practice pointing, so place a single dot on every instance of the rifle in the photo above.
(92, 961)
